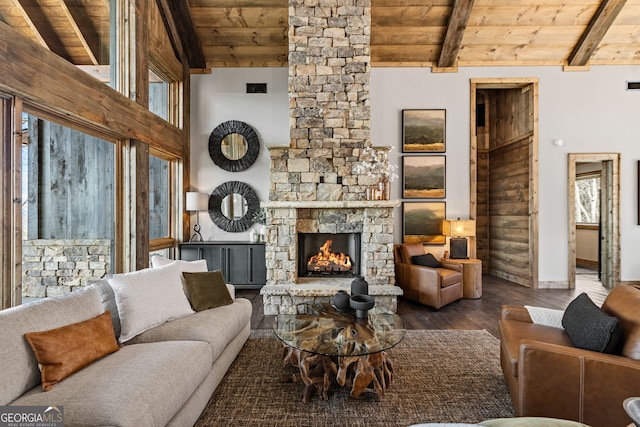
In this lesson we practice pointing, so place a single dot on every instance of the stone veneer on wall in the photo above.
(315, 183)
(53, 267)
(329, 71)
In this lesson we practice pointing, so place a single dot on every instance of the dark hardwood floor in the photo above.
(480, 313)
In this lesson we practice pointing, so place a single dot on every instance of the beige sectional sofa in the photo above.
(162, 376)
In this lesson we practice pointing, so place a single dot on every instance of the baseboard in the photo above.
(558, 284)
(587, 263)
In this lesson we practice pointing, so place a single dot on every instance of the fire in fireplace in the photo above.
(327, 260)
(324, 254)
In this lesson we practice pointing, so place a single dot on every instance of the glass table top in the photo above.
(321, 329)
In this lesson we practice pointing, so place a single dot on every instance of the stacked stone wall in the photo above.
(329, 74)
(53, 267)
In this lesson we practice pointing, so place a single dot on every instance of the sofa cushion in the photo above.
(589, 327)
(224, 324)
(148, 298)
(623, 302)
(140, 385)
(207, 290)
(40, 315)
(63, 351)
(108, 299)
(449, 277)
(426, 260)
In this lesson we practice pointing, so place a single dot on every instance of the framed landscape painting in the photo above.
(422, 222)
(423, 131)
(423, 177)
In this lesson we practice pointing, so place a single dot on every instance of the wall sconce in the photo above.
(196, 202)
(459, 230)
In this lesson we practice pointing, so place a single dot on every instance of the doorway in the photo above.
(609, 215)
(504, 177)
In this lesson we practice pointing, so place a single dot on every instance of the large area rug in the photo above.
(440, 376)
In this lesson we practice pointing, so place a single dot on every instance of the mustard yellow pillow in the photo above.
(207, 290)
(63, 351)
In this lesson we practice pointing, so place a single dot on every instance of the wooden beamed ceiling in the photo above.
(443, 34)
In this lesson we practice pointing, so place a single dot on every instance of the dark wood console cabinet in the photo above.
(242, 263)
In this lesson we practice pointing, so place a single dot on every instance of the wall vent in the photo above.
(256, 88)
(633, 85)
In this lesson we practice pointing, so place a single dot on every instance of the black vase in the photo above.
(359, 286)
(341, 301)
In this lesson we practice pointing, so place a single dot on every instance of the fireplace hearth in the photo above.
(328, 254)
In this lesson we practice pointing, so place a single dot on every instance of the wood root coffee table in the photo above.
(329, 346)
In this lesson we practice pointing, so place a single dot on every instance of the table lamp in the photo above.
(459, 230)
(196, 202)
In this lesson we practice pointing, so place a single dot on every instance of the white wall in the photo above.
(221, 96)
(590, 111)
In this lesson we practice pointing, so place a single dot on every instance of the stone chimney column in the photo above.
(329, 72)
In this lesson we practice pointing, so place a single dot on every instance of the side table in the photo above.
(471, 277)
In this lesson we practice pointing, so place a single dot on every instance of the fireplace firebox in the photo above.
(327, 254)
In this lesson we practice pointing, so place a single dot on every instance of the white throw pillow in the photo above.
(148, 298)
(198, 266)
(546, 316)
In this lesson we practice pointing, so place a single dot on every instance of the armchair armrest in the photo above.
(566, 382)
(515, 312)
(456, 266)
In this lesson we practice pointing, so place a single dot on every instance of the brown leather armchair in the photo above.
(435, 287)
(548, 377)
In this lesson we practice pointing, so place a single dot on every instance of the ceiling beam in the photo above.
(177, 19)
(598, 27)
(30, 23)
(76, 29)
(455, 30)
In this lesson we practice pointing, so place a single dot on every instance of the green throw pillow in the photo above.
(207, 290)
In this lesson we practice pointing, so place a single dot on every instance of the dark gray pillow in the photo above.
(427, 260)
(590, 328)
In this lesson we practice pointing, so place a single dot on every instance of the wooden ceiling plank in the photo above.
(29, 21)
(598, 27)
(181, 29)
(246, 37)
(76, 29)
(240, 17)
(411, 16)
(455, 31)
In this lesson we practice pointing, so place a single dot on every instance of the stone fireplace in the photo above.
(315, 184)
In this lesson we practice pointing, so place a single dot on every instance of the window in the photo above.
(68, 212)
(159, 212)
(588, 199)
(158, 96)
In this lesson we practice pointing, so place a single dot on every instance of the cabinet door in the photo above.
(236, 265)
(191, 252)
(257, 265)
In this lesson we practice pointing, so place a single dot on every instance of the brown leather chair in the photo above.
(435, 287)
(548, 377)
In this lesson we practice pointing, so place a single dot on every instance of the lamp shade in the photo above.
(197, 201)
(459, 227)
